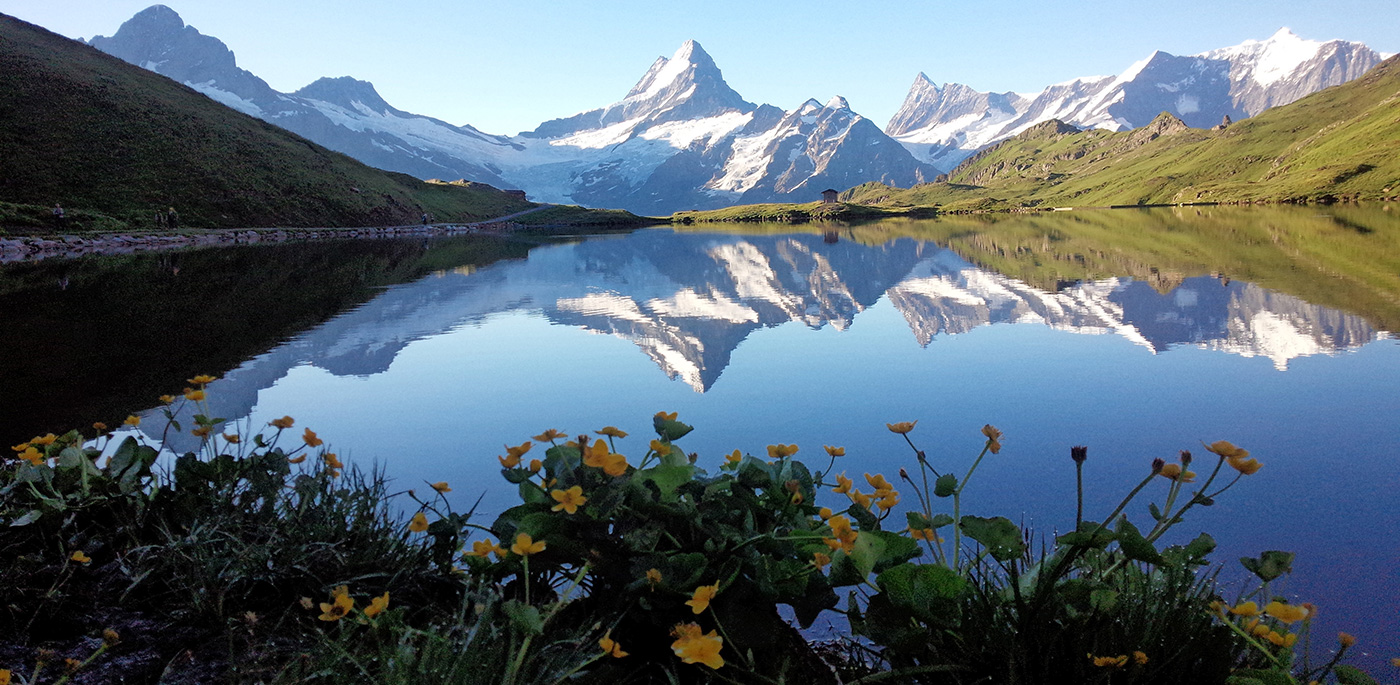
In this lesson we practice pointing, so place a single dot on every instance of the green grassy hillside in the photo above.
(114, 143)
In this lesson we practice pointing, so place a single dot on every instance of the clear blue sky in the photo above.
(506, 66)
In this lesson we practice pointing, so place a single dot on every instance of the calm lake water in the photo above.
(1136, 333)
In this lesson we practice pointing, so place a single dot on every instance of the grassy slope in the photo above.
(113, 143)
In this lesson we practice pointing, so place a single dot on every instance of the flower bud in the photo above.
(110, 637)
(1185, 457)
(1079, 453)
(1157, 465)
(1347, 639)
(903, 474)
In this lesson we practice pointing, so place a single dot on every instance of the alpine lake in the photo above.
(1137, 333)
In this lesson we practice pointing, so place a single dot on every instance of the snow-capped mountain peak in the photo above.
(346, 92)
(837, 102)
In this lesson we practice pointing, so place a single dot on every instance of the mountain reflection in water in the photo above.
(687, 301)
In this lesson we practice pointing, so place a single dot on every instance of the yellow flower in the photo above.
(734, 457)
(1395, 662)
(991, 432)
(44, 440)
(309, 437)
(878, 482)
(81, 558)
(111, 637)
(1285, 640)
(297, 459)
(844, 535)
(613, 432)
(1140, 657)
(666, 417)
(1174, 472)
(482, 548)
(525, 545)
(332, 461)
(1287, 613)
(1247, 467)
(654, 576)
(441, 486)
(203, 379)
(824, 513)
(598, 456)
(32, 456)
(377, 605)
(843, 485)
(568, 500)
(509, 462)
(98, 426)
(902, 427)
(834, 451)
(21, 447)
(610, 646)
(550, 435)
(1110, 661)
(194, 395)
(337, 608)
(1227, 450)
(924, 534)
(820, 560)
(780, 451)
(887, 500)
(1245, 609)
(232, 438)
(695, 648)
(202, 431)
(4, 676)
(132, 420)
(167, 399)
(700, 601)
(418, 523)
(660, 447)
(536, 465)
(283, 423)
(1347, 639)
(860, 498)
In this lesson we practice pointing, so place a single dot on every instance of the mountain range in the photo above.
(683, 139)
(943, 125)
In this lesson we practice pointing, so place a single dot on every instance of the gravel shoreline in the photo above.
(24, 249)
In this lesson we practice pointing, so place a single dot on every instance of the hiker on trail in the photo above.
(160, 219)
(425, 218)
(172, 219)
(57, 216)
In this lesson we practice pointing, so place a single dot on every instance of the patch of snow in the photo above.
(687, 303)
(1188, 104)
(226, 98)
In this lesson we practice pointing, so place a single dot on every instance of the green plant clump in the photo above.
(250, 560)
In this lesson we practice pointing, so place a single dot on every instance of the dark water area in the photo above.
(1136, 333)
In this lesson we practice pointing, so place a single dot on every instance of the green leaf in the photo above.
(1351, 675)
(524, 617)
(929, 591)
(917, 521)
(863, 517)
(1089, 535)
(1154, 511)
(852, 568)
(670, 430)
(668, 478)
(531, 493)
(1269, 565)
(29, 517)
(1202, 546)
(946, 485)
(1134, 545)
(999, 535)
(1103, 600)
(940, 520)
(1259, 676)
(897, 549)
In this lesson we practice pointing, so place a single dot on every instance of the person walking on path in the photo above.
(57, 216)
(172, 219)
(160, 219)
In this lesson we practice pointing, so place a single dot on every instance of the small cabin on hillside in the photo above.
(829, 196)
